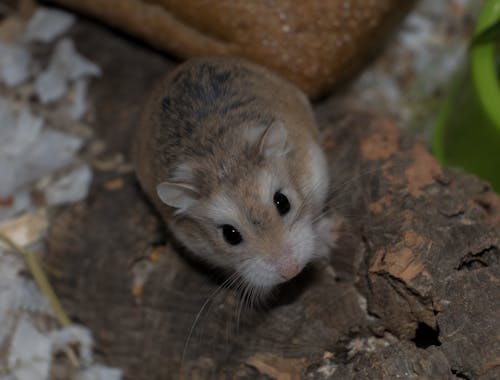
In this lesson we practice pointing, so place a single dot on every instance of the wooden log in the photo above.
(411, 290)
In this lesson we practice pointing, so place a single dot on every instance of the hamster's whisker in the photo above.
(355, 177)
(237, 280)
(362, 173)
(253, 297)
(244, 289)
(304, 202)
(327, 212)
(336, 191)
(241, 305)
(250, 297)
(234, 285)
(320, 216)
(229, 280)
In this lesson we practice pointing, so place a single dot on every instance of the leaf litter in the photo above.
(39, 158)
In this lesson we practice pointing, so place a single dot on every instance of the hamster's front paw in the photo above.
(328, 230)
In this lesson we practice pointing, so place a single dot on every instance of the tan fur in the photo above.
(204, 121)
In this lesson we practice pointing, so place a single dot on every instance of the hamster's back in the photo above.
(198, 108)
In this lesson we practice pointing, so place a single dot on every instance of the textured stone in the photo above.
(315, 44)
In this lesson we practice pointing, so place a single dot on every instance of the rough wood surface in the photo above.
(412, 290)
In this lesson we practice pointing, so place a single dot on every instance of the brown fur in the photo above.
(252, 95)
(198, 116)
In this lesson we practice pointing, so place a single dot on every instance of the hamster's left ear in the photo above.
(180, 196)
(269, 141)
(179, 192)
(273, 140)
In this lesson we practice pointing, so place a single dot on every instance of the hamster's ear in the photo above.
(177, 195)
(273, 140)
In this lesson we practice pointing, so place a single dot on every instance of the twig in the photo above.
(43, 283)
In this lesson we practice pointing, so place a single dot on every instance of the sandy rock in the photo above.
(314, 44)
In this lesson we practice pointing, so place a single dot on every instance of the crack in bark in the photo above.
(484, 258)
(426, 336)
(459, 375)
(420, 307)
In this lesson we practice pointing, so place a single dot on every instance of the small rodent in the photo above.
(229, 154)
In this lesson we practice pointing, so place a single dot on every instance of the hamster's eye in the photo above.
(281, 202)
(231, 234)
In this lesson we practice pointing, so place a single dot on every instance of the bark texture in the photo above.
(412, 290)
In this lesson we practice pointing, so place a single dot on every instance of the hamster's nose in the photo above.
(287, 267)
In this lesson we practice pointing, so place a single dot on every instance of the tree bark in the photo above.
(413, 288)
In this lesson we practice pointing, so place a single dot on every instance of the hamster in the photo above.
(228, 152)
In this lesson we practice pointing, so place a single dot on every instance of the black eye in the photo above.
(281, 202)
(231, 234)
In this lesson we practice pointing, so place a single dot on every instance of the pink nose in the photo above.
(287, 267)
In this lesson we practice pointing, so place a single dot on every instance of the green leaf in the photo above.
(490, 34)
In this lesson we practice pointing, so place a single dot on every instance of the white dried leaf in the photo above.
(30, 299)
(47, 24)
(53, 150)
(71, 188)
(72, 335)
(50, 85)
(75, 65)
(30, 353)
(79, 106)
(15, 64)
(21, 133)
(10, 265)
(21, 203)
(99, 372)
(26, 229)
(7, 117)
(65, 65)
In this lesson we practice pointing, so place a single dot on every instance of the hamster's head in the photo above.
(246, 209)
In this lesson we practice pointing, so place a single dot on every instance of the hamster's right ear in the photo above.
(274, 139)
(180, 196)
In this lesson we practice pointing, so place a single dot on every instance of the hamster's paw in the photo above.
(328, 230)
